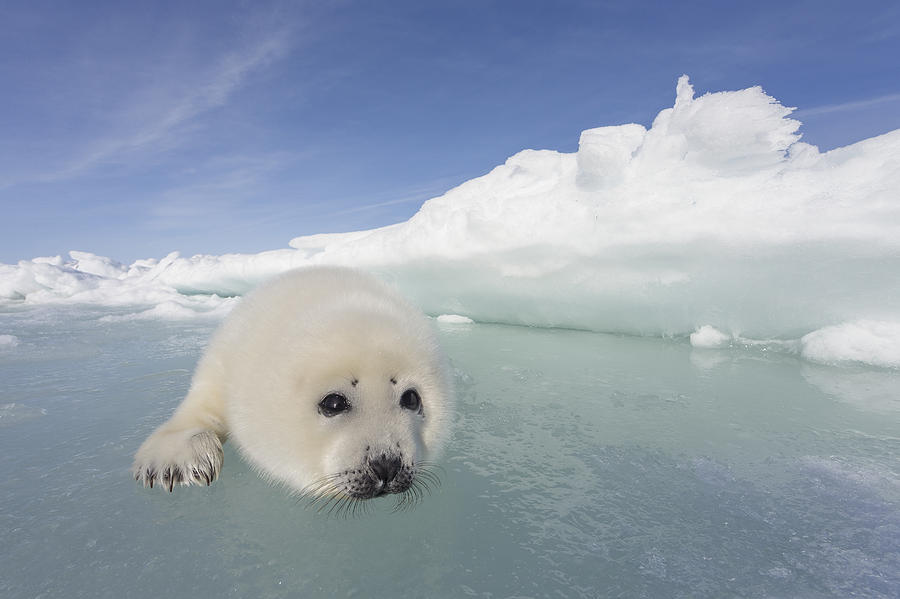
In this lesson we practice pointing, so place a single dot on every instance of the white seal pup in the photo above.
(328, 382)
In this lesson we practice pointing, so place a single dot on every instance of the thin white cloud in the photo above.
(417, 194)
(158, 122)
(225, 79)
(405, 200)
(848, 106)
(225, 188)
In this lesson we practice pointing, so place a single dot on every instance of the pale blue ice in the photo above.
(582, 465)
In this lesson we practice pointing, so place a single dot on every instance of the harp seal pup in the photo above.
(328, 382)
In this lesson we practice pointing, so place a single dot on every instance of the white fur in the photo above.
(303, 335)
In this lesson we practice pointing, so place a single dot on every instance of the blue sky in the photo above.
(134, 129)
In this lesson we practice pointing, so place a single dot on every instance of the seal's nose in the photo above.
(385, 468)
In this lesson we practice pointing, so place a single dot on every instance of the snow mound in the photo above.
(709, 337)
(193, 308)
(868, 342)
(716, 216)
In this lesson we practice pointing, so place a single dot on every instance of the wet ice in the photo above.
(582, 464)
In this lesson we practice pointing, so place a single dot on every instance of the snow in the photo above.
(454, 319)
(869, 342)
(716, 222)
(709, 337)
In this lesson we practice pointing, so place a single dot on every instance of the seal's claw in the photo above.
(178, 457)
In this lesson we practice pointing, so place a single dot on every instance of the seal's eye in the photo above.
(333, 404)
(411, 400)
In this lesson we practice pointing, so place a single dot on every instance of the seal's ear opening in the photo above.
(333, 404)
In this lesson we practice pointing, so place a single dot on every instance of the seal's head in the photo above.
(352, 405)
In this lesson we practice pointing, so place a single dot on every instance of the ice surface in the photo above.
(716, 216)
(582, 465)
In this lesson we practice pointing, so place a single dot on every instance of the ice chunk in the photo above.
(192, 308)
(604, 154)
(730, 133)
(454, 319)
(709, 337)
(54, 260)
(7, 341)
(870, 342)
(97, 265)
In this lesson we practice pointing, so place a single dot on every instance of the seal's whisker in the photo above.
(348, 508)
(431, 481)
(425, 489)
(414, 493)
(315, 487)
(415, 498)
(402, 502)
(325, 496)
(428, 480)
(421, 489)
(338, 509)
(430, 470)
(430, 465)
(330, 494)
(342, 500)
(330, 500)
(360, 508)
(333, 505)
(320, 493)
